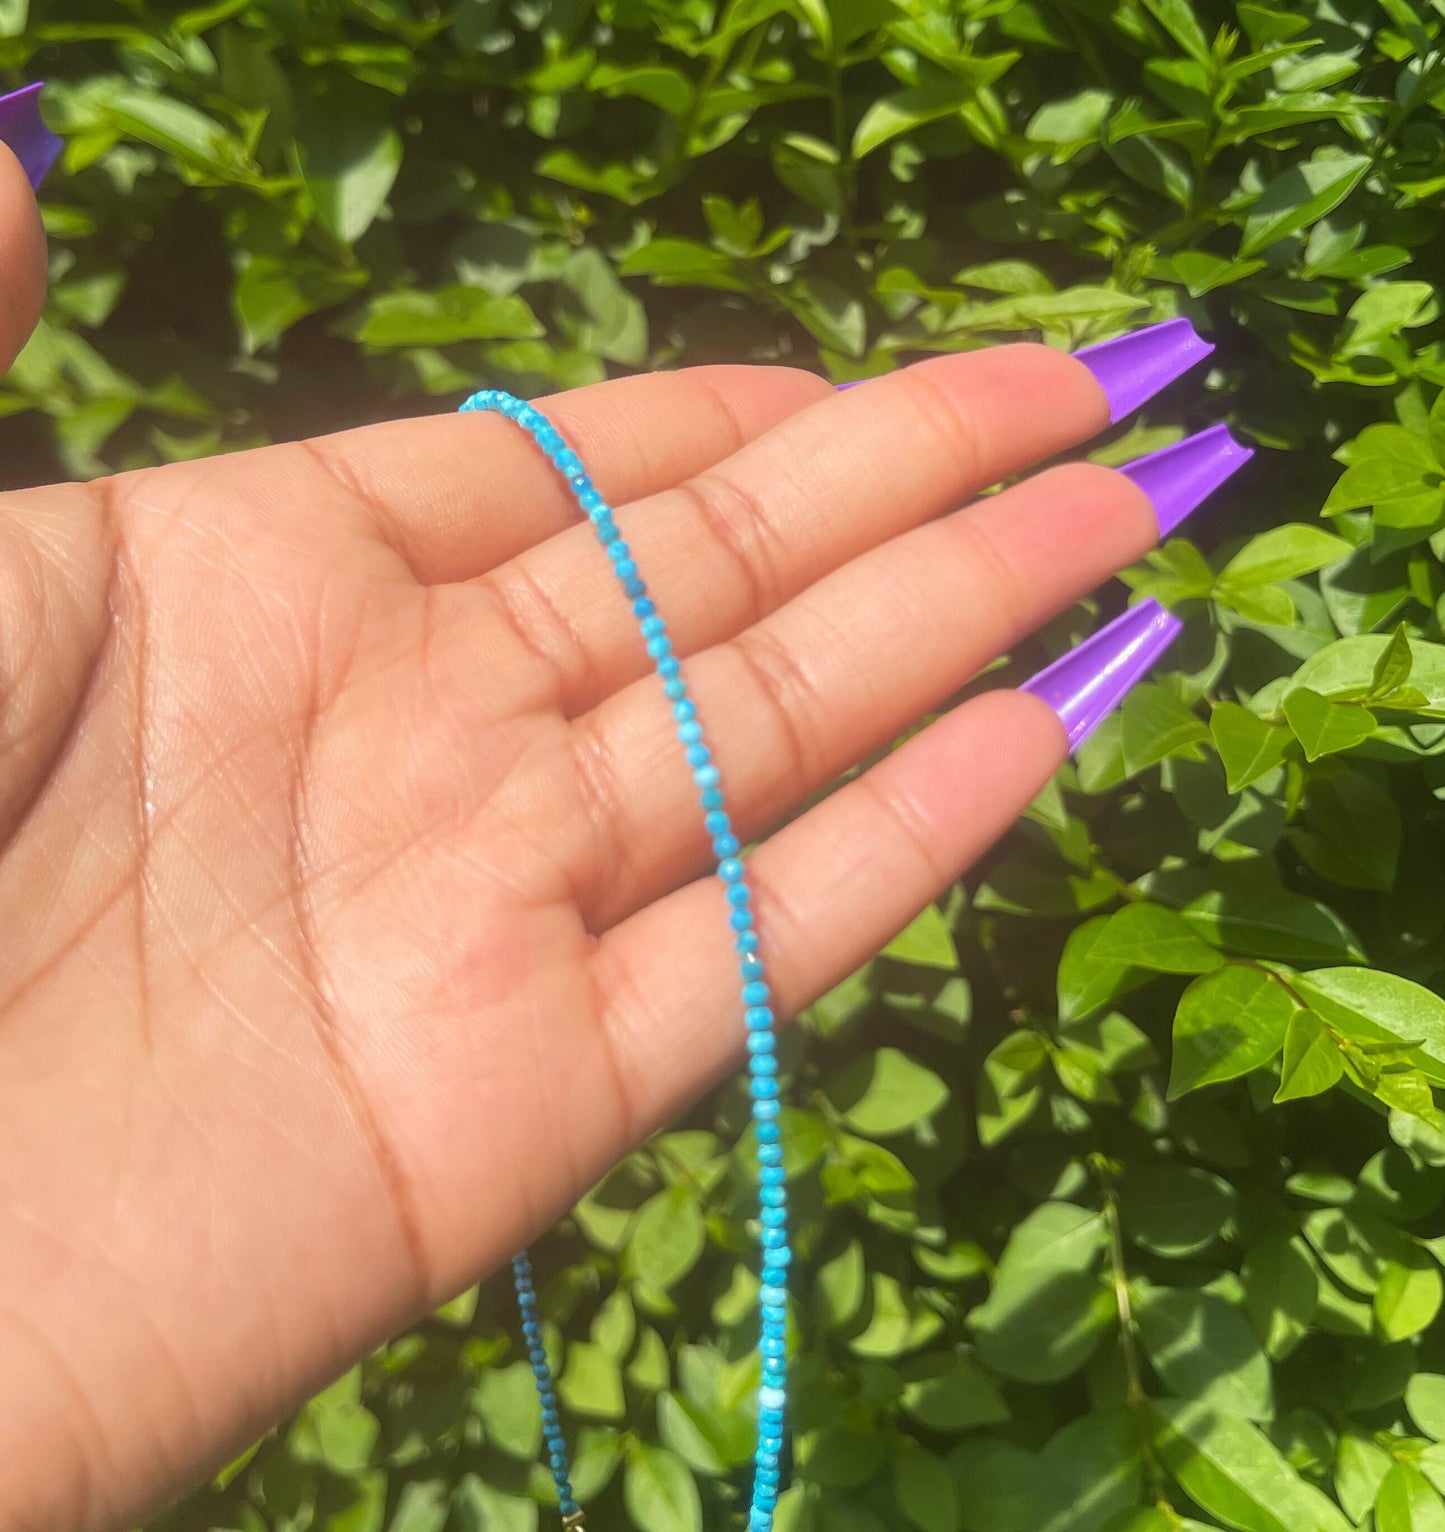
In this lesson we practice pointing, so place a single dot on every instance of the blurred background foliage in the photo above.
(1118, 1175)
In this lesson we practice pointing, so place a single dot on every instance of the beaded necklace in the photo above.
(757, 1013)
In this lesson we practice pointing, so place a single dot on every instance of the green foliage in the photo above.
(1116, 1176)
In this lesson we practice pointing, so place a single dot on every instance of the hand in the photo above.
(357, 903)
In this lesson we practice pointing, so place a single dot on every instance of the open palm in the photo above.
(355, 893)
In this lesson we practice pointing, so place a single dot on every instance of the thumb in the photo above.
(27, 150)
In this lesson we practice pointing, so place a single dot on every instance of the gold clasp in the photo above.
(572, 1523)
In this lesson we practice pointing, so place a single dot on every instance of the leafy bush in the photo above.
(1117, 1175)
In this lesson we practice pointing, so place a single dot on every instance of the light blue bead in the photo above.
(764, 1063)
(761, 1042)
(767, 1132)
(717, 823)
(626, 569)
(773, 1348)
(772, 1297)
(725, 845)
(762, 1089)
(773, 1219)
(652, 626)
(684, 712)
(772, 1196)
(698, 755)
(774, 1322)
(740, 893)
(670, 667)
(644, 607)
(707, 776)
(772, 1399)
(711, 797)
(751, 967)
(606, 530)
(771, 1175)
(757, 1016)
(617, 550)
(674, 687)
(771, 1238)
(774, 1276)
(632, 586)
(730, 870)
(755, 993)
(689, 731)
(591, 501)
(748, 942)
(740, 920)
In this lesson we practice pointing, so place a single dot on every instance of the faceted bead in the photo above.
(617, 550)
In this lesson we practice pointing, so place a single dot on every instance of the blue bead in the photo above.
(748, 942)
(774, 1275)
(740, 920)
(633, 585)
(725, 845)
(591, 501)
(606, 529)
(645, 606)
(751, 967)
(674, 687)
(670, 667)
(761, 1042)
(698, 755)
(757, 1016)
(755, 993)
(717, 823)
(773, 1220)
(653, 626)
(763, 1063)
(772, 1297)
(772, 1238)
(625, 569)
(539, 1370)
(617, 550)
(730, 870)
(771, 1175)
(707, 776)
(568, 460)
(773, 1348)
(763, 1089)
(689, 731)
(740, 893)
(772, 1196)
(782, 1255)
(767, 1132)
(684, 712)
(770, 1155)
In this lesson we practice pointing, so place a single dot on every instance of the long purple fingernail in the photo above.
(1133, 368)
(24, 132)
(1180, 478)
(1085, 685)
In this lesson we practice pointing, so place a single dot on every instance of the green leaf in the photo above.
(953, 1393)
(1312, 1062)
(1408, 1502)
(660, 1492)
(591, 1382)
(1086, 1473)
(886, 1092)
(1425, 1400)
(1247, 745)
(1324, 727)
(1301, 195)
(1178, 19)
(442, 318)
(1408, 1297)
(1231, 1469)
(350, 157)
(1156, 725)
(1204, 1350)
(1393, 667)
(1174, 1210)
(1360, 1469)
(1228, 1023)
(1352, 831)
(1281, 1291)
(925, 1490)
(271, 294)
(668, 1237)
(1087, 979)
(1152, 937)
(1283, 553)
(927, 942)
(506, 1401)
(1368, 1005)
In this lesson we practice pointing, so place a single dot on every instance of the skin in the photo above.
(358, 909)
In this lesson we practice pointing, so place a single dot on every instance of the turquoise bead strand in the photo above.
(756, 997)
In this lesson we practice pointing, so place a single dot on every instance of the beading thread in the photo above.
(758, 1018)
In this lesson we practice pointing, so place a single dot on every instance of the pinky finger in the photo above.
(830, 890)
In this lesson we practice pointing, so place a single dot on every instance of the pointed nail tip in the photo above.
(1179, 478)
(23, 131)
(1085, 685)
(1132, 368)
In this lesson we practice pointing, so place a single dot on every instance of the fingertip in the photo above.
(22, 257)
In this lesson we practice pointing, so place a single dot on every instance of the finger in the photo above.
(840, 671)
(457, 494)
(734, 543)
(22, 258)
(829, 891)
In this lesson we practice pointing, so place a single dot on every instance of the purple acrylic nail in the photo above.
(1090, 681)
(1132, 368)
(853, 384)
(1177, 479)
(24, 132)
